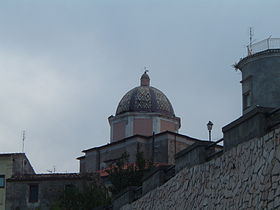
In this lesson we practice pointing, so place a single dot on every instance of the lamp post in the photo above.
(209, 126)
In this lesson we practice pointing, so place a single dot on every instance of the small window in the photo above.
(2, 181)
(69, 187)
(247, 100)
(247, 87)
(33, 193)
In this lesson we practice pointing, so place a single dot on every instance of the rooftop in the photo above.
(52, 176)
(139, 136)
(266, 44)
(10, 154)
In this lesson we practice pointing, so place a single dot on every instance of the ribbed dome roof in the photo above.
(145, 99)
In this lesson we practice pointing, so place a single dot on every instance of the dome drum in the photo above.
(139, 123)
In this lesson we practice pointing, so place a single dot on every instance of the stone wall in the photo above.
(245, 177)
(156, 178)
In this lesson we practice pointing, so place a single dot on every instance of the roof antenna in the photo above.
(251, 34)
(51, 171)
(23, 139)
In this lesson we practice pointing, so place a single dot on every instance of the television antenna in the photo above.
(51, 171)
(251, 34)
(23, 139)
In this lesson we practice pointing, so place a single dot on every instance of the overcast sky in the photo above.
(65, 65)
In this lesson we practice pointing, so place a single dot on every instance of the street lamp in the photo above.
(209, 126)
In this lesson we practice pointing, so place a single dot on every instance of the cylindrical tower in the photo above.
(261, 75)
(143, 110)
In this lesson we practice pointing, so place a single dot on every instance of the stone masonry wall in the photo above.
(245, 177)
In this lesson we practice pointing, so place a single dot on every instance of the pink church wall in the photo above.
(143, 127)
(118, 131)
(167, 126)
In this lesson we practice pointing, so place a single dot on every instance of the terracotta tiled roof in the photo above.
(104, 173)
(52, 176)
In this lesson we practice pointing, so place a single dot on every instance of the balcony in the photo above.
(267, 44)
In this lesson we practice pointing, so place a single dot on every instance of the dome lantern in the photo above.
(145, 79)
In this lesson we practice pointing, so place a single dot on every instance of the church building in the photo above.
(144, 122)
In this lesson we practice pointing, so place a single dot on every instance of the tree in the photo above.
(91, 197)
(125, 174)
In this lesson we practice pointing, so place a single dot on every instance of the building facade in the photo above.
(43, 191)
(12, 164)
(159, 149)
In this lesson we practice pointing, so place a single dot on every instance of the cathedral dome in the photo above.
(145, 99)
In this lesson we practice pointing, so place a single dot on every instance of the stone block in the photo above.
(270, 205)
(276, 169)
(271, 194)
(276, 202)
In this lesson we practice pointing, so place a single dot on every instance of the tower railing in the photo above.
(270, 43)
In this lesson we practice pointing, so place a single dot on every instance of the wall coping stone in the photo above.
(192, 147)
(245, 117)
(155, 170)
(129, 188)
